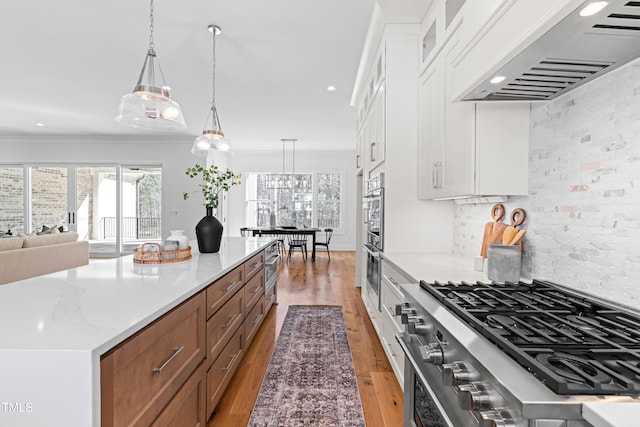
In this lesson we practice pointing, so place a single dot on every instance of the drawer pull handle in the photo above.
(233, 359)
(231, 286)
(258, 317)
(231, 318)
(258, 289)
(257, 265)
(391, 279)
(391, 312)
(176, 351)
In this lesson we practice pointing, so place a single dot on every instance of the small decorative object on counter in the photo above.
(171, 245)
(209, 229)
(180, 237)
(504, 262)
(152, 253)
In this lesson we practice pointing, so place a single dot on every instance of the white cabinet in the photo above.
(468, 149)
(375, 145)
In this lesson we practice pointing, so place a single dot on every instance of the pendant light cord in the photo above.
(213, 74)
(151, 43)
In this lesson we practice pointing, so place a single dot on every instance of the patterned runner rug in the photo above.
(310, 380)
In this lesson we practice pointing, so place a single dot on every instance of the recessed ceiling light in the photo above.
(497, 79)
(39, 124)
(593, 8)
(331, 88)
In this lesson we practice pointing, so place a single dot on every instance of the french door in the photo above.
(114, 207)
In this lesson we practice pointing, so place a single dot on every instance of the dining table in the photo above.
(262, 231)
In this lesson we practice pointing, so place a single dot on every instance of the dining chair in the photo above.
(328, 232)
(297, 241)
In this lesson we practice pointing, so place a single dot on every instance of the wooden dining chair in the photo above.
(328, 232)
(296, 240)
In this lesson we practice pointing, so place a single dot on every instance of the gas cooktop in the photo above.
(572, 343)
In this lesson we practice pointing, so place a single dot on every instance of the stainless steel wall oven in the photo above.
(373, 206)
(271, 257)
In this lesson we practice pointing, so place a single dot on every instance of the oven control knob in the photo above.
(404, 308)
(420, 328)
(456, 373)
(496, 418)
(474, 397)
(432, 353)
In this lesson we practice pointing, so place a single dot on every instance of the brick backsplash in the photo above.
(583, 224)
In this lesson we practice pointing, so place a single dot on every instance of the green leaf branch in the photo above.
(215, 182)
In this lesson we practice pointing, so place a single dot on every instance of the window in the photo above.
(301, 200)
(328, 197)
(11, 199)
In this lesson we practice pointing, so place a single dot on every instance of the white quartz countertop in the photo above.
(435, 266)
(54, 328)
(612, 414)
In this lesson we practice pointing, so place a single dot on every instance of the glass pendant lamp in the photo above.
(212, 137)
(150, 106)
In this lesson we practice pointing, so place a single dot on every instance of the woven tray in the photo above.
(152, 253)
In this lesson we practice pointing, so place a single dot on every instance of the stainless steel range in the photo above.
(514, 354)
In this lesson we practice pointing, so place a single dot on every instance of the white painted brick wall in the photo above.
(583, 226)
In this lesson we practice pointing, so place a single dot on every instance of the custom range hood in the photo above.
(576, 50)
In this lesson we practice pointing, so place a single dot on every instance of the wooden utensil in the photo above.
(517, 218)
(518, 237)
(497, 213)
(498, 229)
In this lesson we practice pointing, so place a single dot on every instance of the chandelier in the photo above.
(212, 137)
(149, 106)
(284, 180)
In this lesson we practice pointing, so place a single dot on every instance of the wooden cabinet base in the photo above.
(141, 375)
(188, 406)
(222, 370)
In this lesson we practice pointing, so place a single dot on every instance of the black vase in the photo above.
(209, 233)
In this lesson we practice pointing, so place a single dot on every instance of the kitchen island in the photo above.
(56, 327)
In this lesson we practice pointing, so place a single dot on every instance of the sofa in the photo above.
(28, 256)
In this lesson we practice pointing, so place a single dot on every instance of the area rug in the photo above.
(310, 380)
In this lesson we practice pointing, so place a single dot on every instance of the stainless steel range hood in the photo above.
(575, 51)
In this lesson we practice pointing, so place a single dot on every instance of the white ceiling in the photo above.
(66, 63)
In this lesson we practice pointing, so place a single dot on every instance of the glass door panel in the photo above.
(96, 209)
(11, 200)
(141, 206)
(49, 201)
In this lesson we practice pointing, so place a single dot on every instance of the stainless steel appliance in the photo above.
(513, 354)
(271, 257)
(373, 206)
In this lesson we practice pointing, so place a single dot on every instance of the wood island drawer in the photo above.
(223, 324)
(222, 289)
(222, 370)
(252, 322)
(141, 375)
(188, 407)
(253, 265)
(253, 291)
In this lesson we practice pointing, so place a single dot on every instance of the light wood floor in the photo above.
(319, 282)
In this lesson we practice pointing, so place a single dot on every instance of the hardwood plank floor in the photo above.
(309, 283)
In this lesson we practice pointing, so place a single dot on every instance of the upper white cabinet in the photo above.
(465, 149)
(375, 145)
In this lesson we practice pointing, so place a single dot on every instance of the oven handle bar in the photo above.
(375, 254)
(423, 380)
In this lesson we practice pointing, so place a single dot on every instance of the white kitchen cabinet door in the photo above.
(375, 149)
(431, 132)
(360, 140)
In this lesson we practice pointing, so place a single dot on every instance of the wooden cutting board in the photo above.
(497, 213)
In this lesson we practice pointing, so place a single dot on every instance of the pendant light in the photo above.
(287, 181)
(149, 106)
(212, 137)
